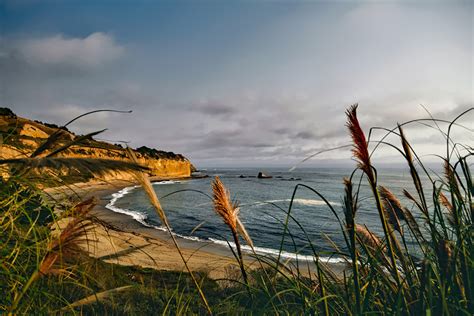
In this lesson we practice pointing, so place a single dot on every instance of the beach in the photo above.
(117, 238)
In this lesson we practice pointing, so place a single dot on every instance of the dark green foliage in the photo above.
(50, 125)
(159, 154)
(7, 112)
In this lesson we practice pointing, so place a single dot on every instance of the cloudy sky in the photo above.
(245, 83)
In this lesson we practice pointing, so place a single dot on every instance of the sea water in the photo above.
(316, 211)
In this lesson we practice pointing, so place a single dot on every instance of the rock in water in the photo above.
(261, 175)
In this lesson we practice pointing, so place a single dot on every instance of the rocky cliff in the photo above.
(20, 137)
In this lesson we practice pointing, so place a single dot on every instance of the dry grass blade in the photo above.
(50, 141)
(243, 232)
(96, 297)
(76, 141)
(142, 178)
(54, 137)
(144, 181)
(94, 166)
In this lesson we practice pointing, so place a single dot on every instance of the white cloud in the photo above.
(94, 50)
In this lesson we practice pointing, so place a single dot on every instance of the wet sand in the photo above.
(120, 239)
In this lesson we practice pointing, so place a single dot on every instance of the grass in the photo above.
(41, 272)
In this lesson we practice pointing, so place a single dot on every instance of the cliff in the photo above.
(20, 137)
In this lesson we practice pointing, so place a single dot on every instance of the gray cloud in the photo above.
(275, 95)
(212, 108)
(306, 135)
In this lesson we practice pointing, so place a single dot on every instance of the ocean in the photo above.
(264, 204)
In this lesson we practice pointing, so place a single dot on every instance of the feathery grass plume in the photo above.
(144, 181)
(405, 145)
(368, 238)
(229, 211)
(449, 207)
(361, 154)
(415, 201)
(414, 174)
(445, 254)
(223, 205)
(413, 225)
(66, 243)
(464, 241)
(350, 207)
(360, 150)
(450, 175)
(393, 208)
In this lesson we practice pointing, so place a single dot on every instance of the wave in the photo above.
(142, 219)
(166, 182)
(306, 202)
(138, 216)
(274, 253)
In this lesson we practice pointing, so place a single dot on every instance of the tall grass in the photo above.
(422, 263)
(387, 275)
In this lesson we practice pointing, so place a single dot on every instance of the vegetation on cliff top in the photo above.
(11, 130)
(22, 137)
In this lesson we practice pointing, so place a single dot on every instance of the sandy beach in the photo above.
(120, 239)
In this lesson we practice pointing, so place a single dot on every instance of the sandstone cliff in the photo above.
(19, 137)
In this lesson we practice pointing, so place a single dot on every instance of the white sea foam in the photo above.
(166, 182)
(138, 216)
(274, 253)
(307, 202)
(141, 218)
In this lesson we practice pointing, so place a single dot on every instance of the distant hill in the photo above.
(21, 137)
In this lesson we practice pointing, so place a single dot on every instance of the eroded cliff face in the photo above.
(20, 137)
(175, 167)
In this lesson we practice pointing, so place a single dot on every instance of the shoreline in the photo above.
(122, 240)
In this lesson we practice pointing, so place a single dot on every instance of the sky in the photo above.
(242, 83)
